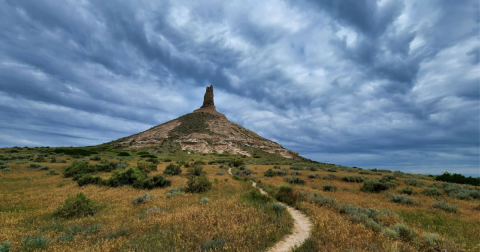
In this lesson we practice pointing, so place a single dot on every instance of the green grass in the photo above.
(460, 231)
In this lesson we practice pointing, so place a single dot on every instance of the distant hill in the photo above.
(204, 130)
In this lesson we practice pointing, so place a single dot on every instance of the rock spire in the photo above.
(208, 98)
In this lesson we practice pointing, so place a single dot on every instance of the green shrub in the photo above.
(96, 158)
(196, 170)
(52, 172)
(404, 233)
(314, 176)
(146, 166)
(219, 173)
(319, 200)
(282, 172)
(329, 177)
(204, 200)
(131, 176)
(175, 192)
(34, 242)
(5, 246)
(142, 198)
(34, 166)
(365, 172)
(312, 168)
(330, 187)
(45, 168)
(237, 162)
(276, 167)
(123, 154)
(294, 180)
(353, 178)
(293, 173)
(432, 192)
(106, 166)
(391, 233)
(442, 205)
(278, 208)
(414, 182)
(6, 169)
(287, 195)
(402, 199)
(172, 169)
(458, 178)
(78, 168)
(77, 206)
(388, 177)
(89, 179)
(197, 184)
(156, 181)
(374, 186)
(406, 190)
(270, 173)
(432, 240)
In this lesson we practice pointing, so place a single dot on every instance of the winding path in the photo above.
(301, 228)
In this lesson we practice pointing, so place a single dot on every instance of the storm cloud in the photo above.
(386, 84)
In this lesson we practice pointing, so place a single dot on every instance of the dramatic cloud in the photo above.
(387, 84)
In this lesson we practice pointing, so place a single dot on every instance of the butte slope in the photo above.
(206, 131)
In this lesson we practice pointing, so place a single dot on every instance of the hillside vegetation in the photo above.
(102, 199)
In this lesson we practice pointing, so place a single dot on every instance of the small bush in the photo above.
(156, 181)
(89, 179)
(175, 192)
(432, 240)
(77, 206)
(123, 154)
(442, 205)
(196, 170)
(197, 184)
(278, 208)
(406, 190)
(353, 178)
(312, 168)
(319, 200)
(34, 242)
(391, 233)
(34, 166)
(6, 169)
(204, 200)
(287, 195)
(329, 177)
(432, 192)
(294, 180)
(374, 186)
(270, 173)
(78, 168)
(404, 232)
(330, 187)
(402, 199)
(219, 173)
(45, 168)
(172, 169)
(414, 182)
(96, 158)
(388, 177)
(52, 172)
(142, 198)
(282, 172)
(332, 169)
(254, 196)
(5, 246)
(293, 173)
(146, 166)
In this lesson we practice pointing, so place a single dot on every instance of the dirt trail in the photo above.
(301, 228)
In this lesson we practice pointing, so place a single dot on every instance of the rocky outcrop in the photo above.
(205, 131)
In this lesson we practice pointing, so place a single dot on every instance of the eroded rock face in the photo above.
(208, 98)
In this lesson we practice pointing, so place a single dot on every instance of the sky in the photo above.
(375, 84)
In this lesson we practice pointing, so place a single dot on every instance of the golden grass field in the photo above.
(28, 197)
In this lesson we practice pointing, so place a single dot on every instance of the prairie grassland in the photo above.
(334, 231)
(180, 223)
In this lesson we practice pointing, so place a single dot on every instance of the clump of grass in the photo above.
(142, 198)
(5, 246)
(34, 242)
(33, 165)
(406, 190)
(173, 192)
(254, 196)
(414, 182)
(432, 240)
(93, 229)
(6, 169)
(172, 169)
(77, 206)
(89, 179)
(391, 233)
(219, 173)
(197, 184)
(442, 205)
(402, 199)
(353, 178)
(116, 234)
(54, 226)
(294, 180)
(295, 173)
(314, 176)
(330, 187)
